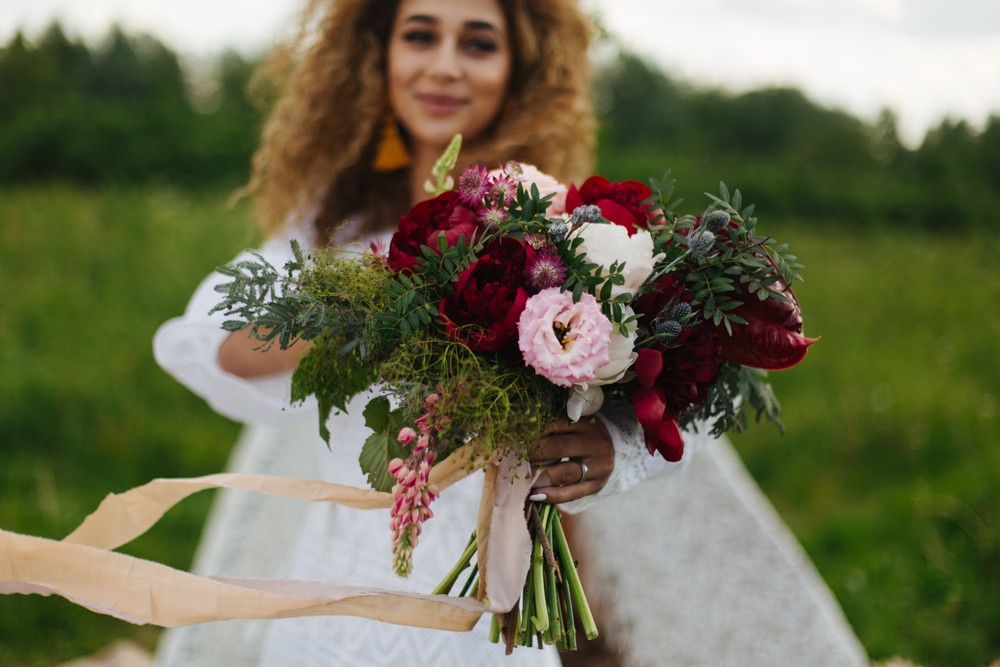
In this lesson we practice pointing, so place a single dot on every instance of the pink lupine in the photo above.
(413, 493)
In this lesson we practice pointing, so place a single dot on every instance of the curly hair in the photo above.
(322, 133)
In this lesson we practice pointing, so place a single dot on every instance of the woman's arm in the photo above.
(240, 355)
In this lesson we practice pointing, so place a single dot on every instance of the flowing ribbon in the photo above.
(83, 569)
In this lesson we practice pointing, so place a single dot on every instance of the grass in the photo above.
(889, 469)
(86, 411)
(887, 472)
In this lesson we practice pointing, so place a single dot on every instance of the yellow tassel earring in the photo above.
(391, 153)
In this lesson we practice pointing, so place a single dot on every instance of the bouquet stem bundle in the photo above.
(553, 597)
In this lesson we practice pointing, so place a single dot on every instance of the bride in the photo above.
(372, 90)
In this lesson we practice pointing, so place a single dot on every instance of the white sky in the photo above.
(925, 59)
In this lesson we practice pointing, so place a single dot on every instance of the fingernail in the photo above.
(537, 497)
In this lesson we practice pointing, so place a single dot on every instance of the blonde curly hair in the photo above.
(321, 136)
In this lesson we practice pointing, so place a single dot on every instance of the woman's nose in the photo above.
(446, 64)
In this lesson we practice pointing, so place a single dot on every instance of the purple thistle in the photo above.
(544, 270)
(473, 185)
(493, 217)
(502, 190)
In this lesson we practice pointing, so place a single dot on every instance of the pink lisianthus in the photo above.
(565, 342)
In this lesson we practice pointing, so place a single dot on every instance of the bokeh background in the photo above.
(867, 134)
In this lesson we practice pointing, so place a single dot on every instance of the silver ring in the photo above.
(583, 472)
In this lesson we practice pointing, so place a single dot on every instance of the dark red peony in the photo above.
(425, 223)
(620, 202)
(488, 299)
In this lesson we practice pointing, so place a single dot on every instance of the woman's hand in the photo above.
(574, 461)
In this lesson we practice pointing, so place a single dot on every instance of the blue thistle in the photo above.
(701, 243)
(680, 311)
(587, 213)
(558, 230)
(669, 329)
(716, 220)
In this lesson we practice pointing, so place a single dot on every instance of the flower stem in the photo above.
(569, 568)
(463, 562)
(541, 617)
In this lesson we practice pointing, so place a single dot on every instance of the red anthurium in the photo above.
(648, 366)
(658, 424)
(772, 338)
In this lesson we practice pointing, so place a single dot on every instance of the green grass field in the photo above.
(888, 471)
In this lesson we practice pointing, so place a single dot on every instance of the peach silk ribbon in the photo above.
(84, 569)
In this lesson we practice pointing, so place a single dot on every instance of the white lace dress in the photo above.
(249, 535)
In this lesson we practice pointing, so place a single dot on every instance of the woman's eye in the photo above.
(481, 44)
(419, 37)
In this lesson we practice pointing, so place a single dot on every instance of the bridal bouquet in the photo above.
(507, 301)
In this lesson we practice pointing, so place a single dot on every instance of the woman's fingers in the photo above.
(562, 456)
(565, 494)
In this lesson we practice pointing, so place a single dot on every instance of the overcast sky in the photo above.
(925, 59)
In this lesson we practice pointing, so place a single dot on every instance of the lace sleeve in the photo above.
(633, 463)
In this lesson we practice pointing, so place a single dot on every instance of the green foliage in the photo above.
(120, 112)
(86, 410)
(383, 444)
(501, 405)
(334, 372)
(797, 159)
(887, 472)
(725, 410)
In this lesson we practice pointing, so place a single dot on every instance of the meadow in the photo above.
(887, 472)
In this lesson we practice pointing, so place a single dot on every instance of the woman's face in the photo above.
(449, 65)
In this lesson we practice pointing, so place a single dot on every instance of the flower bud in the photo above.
(587, 213)
(701, 243)
(669, 329)
(680, 311)
(558, 230)
(715, 220)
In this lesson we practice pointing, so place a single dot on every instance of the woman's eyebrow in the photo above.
(420, 18)
(483, 25)
(469, 25)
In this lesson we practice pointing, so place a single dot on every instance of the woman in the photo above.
(425, 70)
(512, 78)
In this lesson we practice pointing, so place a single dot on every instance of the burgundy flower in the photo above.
(423, 225)
(621, 203)
(673, 380)
(772, 338)
(488, 299)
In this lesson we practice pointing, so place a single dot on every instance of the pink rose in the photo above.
(565, 342)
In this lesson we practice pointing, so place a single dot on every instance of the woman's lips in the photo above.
(439, 105)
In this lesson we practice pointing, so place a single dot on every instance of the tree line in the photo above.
(127, 111)
(122, 112)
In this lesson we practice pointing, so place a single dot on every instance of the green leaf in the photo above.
(376, 413)
(381, 446)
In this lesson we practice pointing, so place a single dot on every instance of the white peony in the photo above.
(606, 244)
(586, 398)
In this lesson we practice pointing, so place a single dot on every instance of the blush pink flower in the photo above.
(565, 342)
(528, 175)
